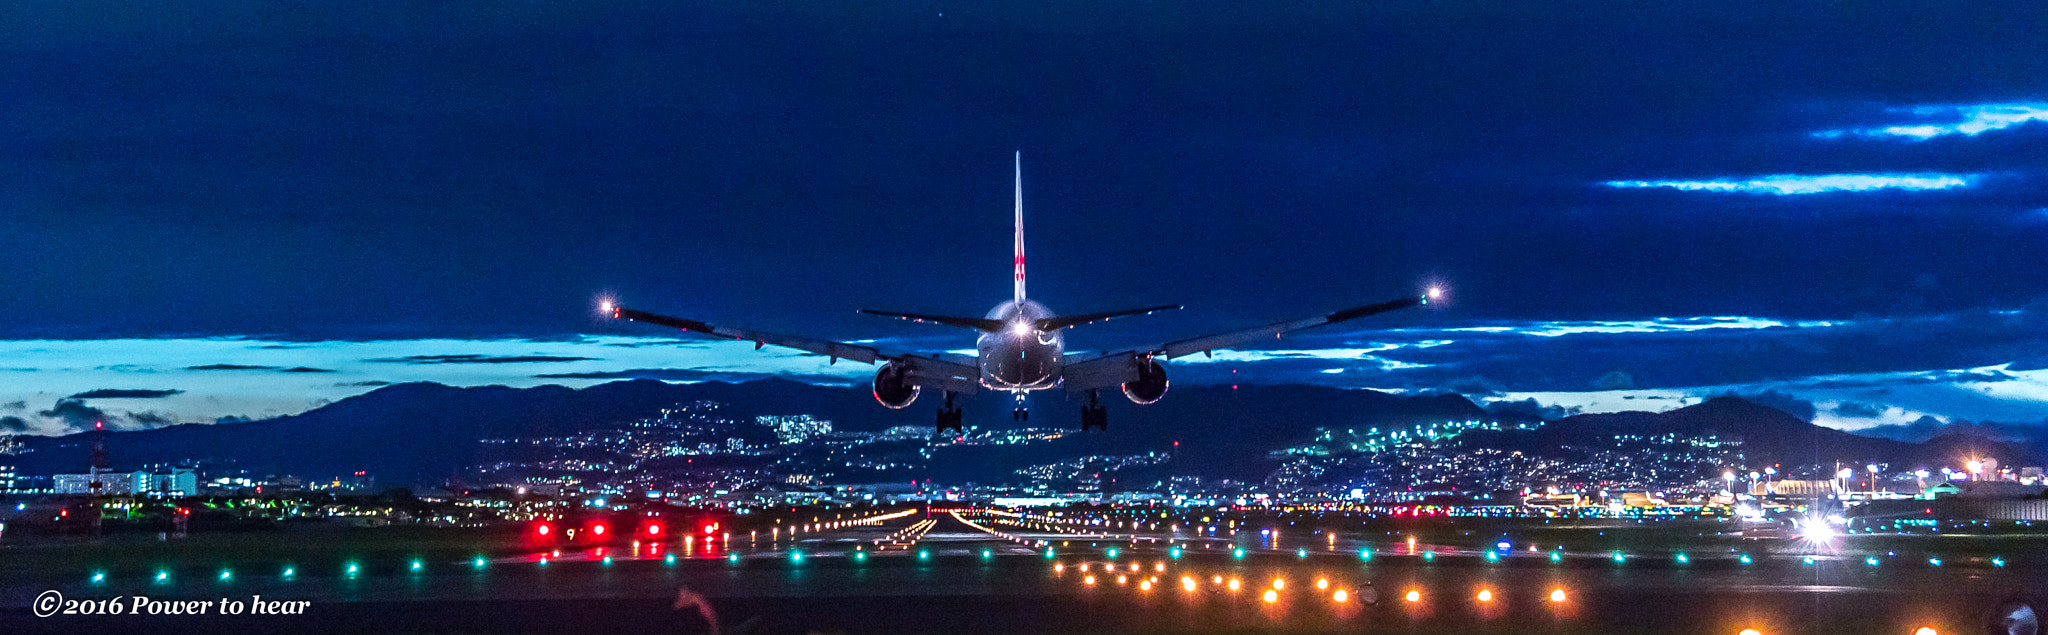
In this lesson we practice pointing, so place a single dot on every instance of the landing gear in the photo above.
(1020, 413)
(949, 417)
(1094, 415)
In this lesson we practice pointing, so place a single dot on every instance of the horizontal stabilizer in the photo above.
(1055, 323)
(984, 325)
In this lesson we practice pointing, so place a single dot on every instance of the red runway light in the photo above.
(543, 530)
(654, 530)
(599, 530)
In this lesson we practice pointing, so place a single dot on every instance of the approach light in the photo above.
(1279, 583)
(1413, 596)
(1926, 630)
(1557, 595)
(1486, 595)
(1020, 328)
(1187, 583)
(1272, 596)
(1322, 583)
(1340, 596)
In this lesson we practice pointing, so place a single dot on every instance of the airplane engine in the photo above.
(1150, 384)
(894, 386)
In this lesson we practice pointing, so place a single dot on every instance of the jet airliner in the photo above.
(1022, 348)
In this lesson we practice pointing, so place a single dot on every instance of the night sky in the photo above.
(219, 210)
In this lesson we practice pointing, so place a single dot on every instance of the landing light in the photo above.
(1020, 328)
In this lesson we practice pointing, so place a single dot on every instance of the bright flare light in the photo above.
(1187, 583)
(1557, 595)
(1817, 530)
(1413, 596)
(1485, 595)
(1272, 596)
(1340, 596)
(1322, 583)
(1926, 630)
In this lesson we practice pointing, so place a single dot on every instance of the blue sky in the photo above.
(1737, 197)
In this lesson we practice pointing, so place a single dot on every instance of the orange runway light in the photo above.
(1557, 595)
(1340, 596)
(1414, 596)
(1485, 595)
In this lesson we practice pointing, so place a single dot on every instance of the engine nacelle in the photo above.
(1150, 384)
(894, 386)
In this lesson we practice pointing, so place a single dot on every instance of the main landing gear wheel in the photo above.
(1094, 415)
(949, 417)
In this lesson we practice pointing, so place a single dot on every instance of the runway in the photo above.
(937, 573)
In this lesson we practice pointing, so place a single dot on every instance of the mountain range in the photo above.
(424, 433)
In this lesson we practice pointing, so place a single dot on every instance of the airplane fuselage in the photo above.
(1020, 358)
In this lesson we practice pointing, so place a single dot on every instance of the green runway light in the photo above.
(352, 568)
(924, 555)
(732, 558)
(1934, 561)
(1998, 562)
(860, 556)
(417, 564)
(1049, 554)
(1619, 557)
(290, 571)
(1556, 557)
(479, 562)
(1175, 553)
(1808, 560)
(1682, 559)
(796, 556)
(1365, 554)
(543, 561)
(607, 561)
(985, 554)
(1492, 556)
(1871, 560)
(98, 577)
(162, 576)
(1744, 559)
(1429, 556)
(1237, 553)
(1301, 553)
(1112, 554)
(227, 575)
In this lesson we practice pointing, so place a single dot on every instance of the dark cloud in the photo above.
(1529, 409)
(14, 405)
(1855, 409)
(75, 414)
(148, 420)
(232, 419)
(478, 359)
(305, 369)
(13, 424)
(230, 367)
(1616, 380)
(372, 383)
(115, 393)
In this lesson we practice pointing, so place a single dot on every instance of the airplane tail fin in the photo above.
(1019, 273)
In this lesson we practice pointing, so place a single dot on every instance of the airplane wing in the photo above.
(952, 375)
(1116, 368)
(980, 324)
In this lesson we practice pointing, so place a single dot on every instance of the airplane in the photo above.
(1022, 349)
